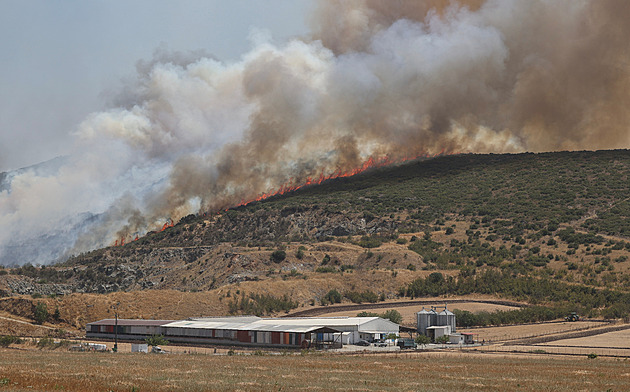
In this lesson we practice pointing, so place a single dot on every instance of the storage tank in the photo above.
(446, 317)
(442, 318)
(423, 318)
(433, 317)
(450, 317)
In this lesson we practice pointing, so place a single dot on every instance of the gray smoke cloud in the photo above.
(382, 80)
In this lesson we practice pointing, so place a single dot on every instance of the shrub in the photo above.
(261, 304)
(326, 270)
(370, 242)
(366, 296)
(392, 315)
(442, 339)
(278, 256)
(156, 340)
(346, 267)
(422, 339)
(46, 342)
(7, 340)
(40, 313)
(333, 296)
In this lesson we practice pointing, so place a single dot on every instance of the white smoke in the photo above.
(192, 133)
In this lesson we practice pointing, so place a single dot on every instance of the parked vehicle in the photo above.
(362, 343)
(157, 350)
(380, 343)
(406, 343)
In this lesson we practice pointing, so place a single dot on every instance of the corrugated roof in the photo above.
(252, 323)
(247, 319)
(125, 322)
(298, 324)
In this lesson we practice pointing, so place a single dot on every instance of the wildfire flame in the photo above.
(169, 223)
(290, 186)
(370, 163)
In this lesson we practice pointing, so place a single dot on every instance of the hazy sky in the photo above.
(60, 60)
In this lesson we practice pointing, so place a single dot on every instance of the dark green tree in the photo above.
(392, 315)
(40, 314)
(278, 256)
(423, 339)
(156, 340)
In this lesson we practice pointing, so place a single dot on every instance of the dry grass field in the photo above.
(408, 313)
(28, 370)
(617, 339)
(494, 334)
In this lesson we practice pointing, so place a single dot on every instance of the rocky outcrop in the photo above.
(26, 285)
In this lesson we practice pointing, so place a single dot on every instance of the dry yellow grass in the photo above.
(617, 339)
(530, 330)
(68, 371)
(409, 312)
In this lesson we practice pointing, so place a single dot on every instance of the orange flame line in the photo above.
(370, 163)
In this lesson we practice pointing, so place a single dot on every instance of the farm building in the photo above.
(462, 338)
(437, 331)
(127, 329)
(251, 330)
(431, 318)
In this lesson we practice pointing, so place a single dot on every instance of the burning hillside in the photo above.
(373, 84)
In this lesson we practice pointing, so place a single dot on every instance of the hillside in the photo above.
(553, 217)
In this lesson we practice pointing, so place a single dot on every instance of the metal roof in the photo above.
(253, 323)
(125, 322)
(231, 319)
(298, 324)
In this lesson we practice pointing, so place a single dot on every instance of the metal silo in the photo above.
(446, 317)
(433, 320)
(442, 318)
(450, 319)
(423, 318)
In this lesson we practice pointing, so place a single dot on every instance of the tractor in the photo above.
(572, 317)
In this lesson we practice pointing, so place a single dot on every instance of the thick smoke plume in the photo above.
(386, 80)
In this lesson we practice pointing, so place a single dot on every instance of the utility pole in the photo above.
(115, 349)
(116, 334)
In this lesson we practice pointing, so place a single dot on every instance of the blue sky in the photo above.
(60, 60)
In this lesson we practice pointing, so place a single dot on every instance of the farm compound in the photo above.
(250, 330)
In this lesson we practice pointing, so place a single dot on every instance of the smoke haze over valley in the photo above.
(380, 81)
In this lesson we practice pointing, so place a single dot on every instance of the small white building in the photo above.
(437, 331)
(139, 348)
(456, 338)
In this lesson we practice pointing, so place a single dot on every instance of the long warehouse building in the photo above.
(250, 330)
